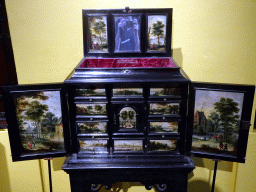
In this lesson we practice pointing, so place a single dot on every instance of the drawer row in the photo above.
(139, 145)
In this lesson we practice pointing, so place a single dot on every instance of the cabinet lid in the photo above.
(127, 32)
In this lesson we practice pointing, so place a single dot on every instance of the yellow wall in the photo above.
(213, 41)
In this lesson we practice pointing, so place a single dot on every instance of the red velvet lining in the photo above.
(127, 62)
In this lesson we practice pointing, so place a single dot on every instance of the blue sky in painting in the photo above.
(205, 99)
(54, 103)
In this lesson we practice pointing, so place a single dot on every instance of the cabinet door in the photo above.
(219, 120)
(38, 122)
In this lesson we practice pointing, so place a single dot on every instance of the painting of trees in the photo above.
(91, 109)
(38, 114)
(98, 33)
(93, 127)
(217, 117)
(228, 117)
(127, 118)
(156, 32)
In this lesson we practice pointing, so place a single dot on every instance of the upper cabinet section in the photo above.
(127, 32)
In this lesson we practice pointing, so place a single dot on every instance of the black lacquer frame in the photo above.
(10, 93)
(143, 13)
(244, 124)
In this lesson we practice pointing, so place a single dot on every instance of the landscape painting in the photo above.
(164, 91)
(127, 118)
(91, 109)
(128, 145)
(164, 108)
(40, 121)
(156, 33)
(127, 92)
(163, 145)
(93, 145)
(217, 116)
(98, 38)
(164, 127)
(92, 127)
(90, 92)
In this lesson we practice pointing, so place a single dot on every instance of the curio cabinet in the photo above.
(128, 112)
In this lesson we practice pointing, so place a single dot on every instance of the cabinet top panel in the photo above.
(127, 32)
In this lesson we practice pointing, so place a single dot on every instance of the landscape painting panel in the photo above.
(92, 127)
(164, 127)
(98, 38)
(164, 108)
(90, 92)
(163, 145)
(93, 145)
(127, 119)
(156, 33)
(40, 121)
(128, 145)
(91, 109)
(127, 92)
(217, 117)
(164, 91)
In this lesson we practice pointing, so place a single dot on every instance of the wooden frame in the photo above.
(219, 120)
(37, 118)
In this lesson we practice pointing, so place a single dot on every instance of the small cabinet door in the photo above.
(38, 122)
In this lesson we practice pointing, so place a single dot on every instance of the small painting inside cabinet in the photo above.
(37, 121)
(219, 118)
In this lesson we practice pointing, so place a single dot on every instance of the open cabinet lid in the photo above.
(38, 123)
(127, 32)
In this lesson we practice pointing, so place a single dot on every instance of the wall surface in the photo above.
(213, 41)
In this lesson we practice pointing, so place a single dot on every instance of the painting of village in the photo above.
(156, 33)
(163, 145)
(164, 91)
(127, 92)
(92, 127)
(93, 145)
(217, 116)
(164, 127)
(40, 121)
(90, 92)
(91, 109)
(164, 108)
(127, 118)
(98, 38)
(128, 145)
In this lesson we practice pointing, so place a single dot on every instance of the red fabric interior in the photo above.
(127, 62)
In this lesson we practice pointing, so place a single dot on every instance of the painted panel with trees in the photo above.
(128, 92)
(90, 92)
(217, 118)
(164, 108)
(127, 118)
(164, 91)
(163, 145)
(91, 109)
(39, 120)
(157, 33)
(98, 38)
(164, 127)
(92, 127)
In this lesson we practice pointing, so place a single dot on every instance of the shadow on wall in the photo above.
(177, 56)
(200, 185)
(209, 164)
(4, 174)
